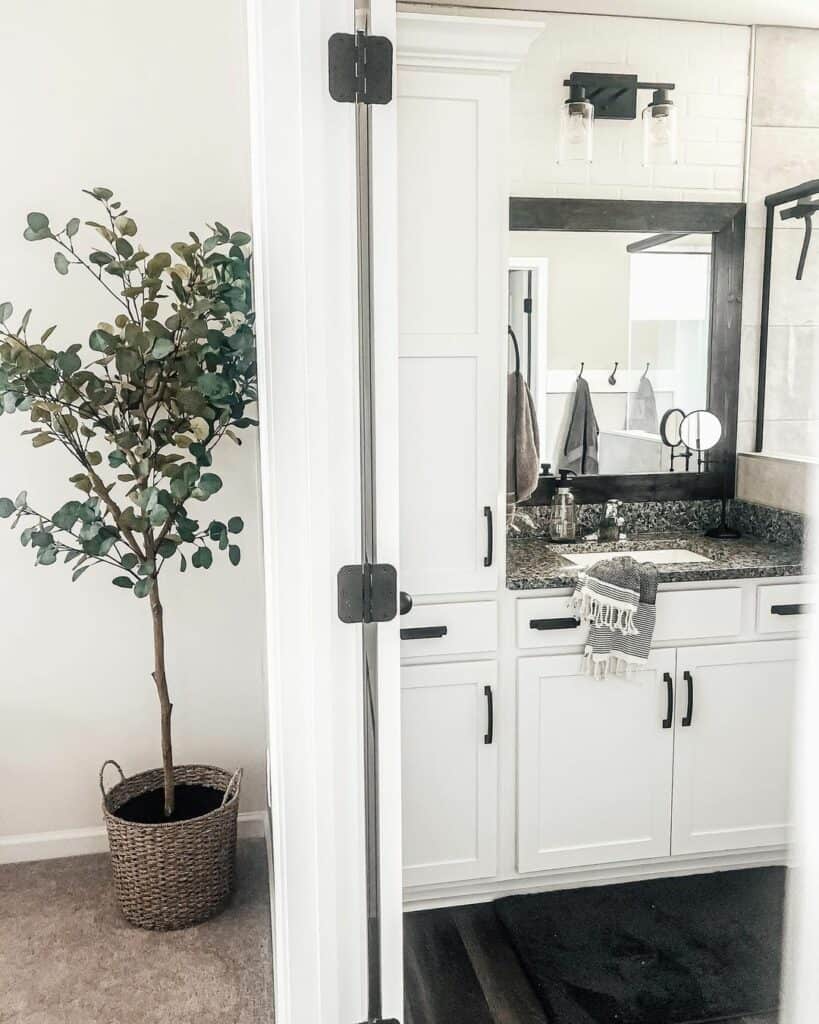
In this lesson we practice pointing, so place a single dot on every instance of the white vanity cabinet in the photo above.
(449, 772)
(732, 753)
(594, 763)
(688, 756)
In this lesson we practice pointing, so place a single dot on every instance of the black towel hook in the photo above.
(612, 378)
(580, 374)
(517, 349)
(645, 371)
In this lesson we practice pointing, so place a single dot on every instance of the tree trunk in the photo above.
(164, 701)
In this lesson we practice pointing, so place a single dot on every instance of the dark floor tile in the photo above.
(440, 984)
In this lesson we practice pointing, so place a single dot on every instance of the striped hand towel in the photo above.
(617, 598)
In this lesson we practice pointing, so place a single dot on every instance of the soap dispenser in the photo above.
(562, 521)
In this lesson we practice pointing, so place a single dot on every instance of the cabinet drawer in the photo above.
(784, 607)
(698, 614)
(464, 628)
(681, 615)
(547, 622)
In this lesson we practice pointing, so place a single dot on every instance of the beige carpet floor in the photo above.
(68, 957)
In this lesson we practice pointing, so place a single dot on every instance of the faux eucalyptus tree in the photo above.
(140, 408)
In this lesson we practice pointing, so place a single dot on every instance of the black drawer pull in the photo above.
(791, 609)
(423, 633)
(490, 535)
(490, 715)
(689, 712)
(571, 623)
(669, 716)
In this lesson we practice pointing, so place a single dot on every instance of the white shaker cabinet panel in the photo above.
(733, 746)
(449, 773)
(453, 216)
(594, 763)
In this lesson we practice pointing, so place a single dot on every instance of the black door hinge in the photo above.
(360, 67)
(367, 593)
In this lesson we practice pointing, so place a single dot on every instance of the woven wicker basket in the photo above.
(172, 874)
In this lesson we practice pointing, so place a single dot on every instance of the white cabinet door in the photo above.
(453, 217)
(733, 746)
(449, 779)
(594, 763)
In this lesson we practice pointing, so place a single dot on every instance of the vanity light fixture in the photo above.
(594, 96)
(576, 127)
(660, 131)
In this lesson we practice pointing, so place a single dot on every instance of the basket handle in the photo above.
(102, 772)
(232, 787)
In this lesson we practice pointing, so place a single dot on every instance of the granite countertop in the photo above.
(535, 563)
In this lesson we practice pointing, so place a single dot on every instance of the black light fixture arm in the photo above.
(613, 96)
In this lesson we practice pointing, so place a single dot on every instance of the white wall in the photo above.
(708, 64)
(150, 100)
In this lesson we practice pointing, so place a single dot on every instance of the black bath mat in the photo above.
(666, 951)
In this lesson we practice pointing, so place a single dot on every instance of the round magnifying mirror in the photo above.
(670, 427)
(700, 430)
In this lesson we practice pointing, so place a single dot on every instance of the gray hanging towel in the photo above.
(580, 449)
(617, 598)
(642, 408)
(522, 440)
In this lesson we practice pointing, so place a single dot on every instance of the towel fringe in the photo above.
(596, 611)
(613, 663)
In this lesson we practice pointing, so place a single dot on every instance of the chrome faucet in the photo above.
(611, 524)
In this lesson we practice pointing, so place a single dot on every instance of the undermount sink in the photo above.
(665, 556)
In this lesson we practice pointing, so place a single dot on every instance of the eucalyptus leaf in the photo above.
(6, 508)
(60, 263)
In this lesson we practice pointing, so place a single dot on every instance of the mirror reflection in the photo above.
(612, 332)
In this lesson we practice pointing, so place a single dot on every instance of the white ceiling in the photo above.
(803, 13)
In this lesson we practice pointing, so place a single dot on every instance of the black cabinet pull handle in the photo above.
(404, 602)
(490, 539)
(423, 633)
(490, 715)
(791, 609)
(669, 716)
(570, 623)
(689, 712)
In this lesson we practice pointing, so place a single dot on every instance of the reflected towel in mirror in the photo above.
(522, 440)
(642, 408)
(580, 449)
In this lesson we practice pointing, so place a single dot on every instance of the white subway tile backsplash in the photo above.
(707, 64)
(717, 105)
(715, 154)
(684, 176)
(731, 131)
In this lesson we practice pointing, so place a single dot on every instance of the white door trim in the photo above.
(303, 184)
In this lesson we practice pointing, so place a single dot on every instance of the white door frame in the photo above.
(303, 181)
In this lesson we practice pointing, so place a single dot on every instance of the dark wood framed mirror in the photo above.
(661, 223)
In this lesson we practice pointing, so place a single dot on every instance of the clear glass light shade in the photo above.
(659, 135)
(576, 132)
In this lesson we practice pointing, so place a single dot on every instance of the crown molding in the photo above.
(443, 41)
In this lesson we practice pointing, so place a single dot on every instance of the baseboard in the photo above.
(76, 842)
(450, 895)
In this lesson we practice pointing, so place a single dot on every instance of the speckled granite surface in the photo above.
(770, 524)
(534, 563)
(771, 542)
